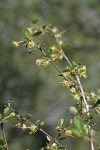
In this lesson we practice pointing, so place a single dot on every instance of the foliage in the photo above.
(81, 124)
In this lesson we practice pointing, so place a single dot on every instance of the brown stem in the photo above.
(53, 63)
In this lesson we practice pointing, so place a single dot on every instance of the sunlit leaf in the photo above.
(48, 138)
(78, 126)
(49, 52)
(79, 123)
(87, 117)
(40, 123)
(26, 32)
(76, 132)
(73, 110)
(63, 122)
(7, 111)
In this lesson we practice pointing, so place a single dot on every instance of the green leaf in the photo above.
(63, 122)
(7, 111)
(76, 132)
(2, 142)
(79, 123)
(28, 116)
(73, 110)
(26, 32)
(48, 138)
(34, 21)
(44, 26)
(78, 127)
(49, 52)
(62, 32)
(82, 71)
(37, 33)
(40, 123)
(87, 117)
(74, 64)
(64, 47)
(98, 102)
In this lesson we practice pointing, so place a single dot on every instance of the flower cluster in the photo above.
(55, 54)
(44, 62)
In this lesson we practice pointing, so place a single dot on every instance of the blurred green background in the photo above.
(33, 89)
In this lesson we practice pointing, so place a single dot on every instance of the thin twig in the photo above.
(52, 63)
(39, 129)
(4, 136)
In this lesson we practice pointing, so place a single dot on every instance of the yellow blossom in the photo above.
(24, 126)
(12, 114)
(93, 94)
(60, 42)
(72, 90)
(60, 57)
(53, 145)
(54, 30)
(65, 83)
(33, 129)
(77, 97)
(18, 124)
(53, 48)
(67, 73)
(45, 63)
(68, 132)
(31, 44)
(38, 62)
(57, 36)
(84, 67)
(53, 57)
